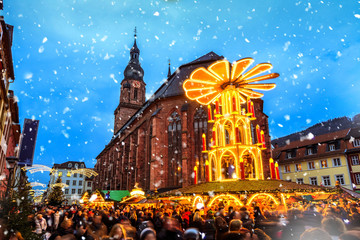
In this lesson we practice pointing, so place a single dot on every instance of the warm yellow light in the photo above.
(93, 198)
(262, 194)
(85, 171)
(236, 199)
(62, 185)
(228, 87)
(137, 192)
(205, 85)
(198, 199)
(283, 201)
(38, 168)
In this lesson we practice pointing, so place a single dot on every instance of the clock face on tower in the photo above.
(136, 84)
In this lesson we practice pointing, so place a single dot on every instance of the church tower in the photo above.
(132, 91)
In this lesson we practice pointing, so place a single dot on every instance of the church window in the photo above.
(200, 127)
(174, 150)
(135, 93)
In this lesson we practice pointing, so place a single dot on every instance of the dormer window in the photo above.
(309, 151)
(356, 142)
(69, 165)
(76, 165)
(333, 145)
(291, 153)
(82, 165)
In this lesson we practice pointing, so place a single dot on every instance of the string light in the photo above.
(37, 168)
(198, 199)
(229, 87)
(236, 199)
(262, 194)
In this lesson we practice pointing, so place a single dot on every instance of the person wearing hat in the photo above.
(191, 234)
(148, 234)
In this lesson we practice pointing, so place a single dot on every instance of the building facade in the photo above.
(352, 154)
(9, 114)
(322, 159)
(158, 142)
(76, 182)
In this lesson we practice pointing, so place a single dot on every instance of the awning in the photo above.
(116, 195)
(321, 197)
(307, 197)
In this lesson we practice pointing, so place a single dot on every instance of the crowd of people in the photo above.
(300, 221)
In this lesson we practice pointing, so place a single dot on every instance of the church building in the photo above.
(157, 142)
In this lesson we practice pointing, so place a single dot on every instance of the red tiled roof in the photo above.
(279, 153)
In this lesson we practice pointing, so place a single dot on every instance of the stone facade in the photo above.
(159, 145)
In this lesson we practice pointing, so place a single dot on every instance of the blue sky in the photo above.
(69, 58)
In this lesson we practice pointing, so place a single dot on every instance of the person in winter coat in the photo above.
(186, 218)
(209, 226)
(118, 232)
(82, 232)
(98, 227)
(312, 217)
(220, 224)
(40, 224)
(170, 231)
(56, 219)
(197, 222)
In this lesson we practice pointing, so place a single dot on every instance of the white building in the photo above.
(71, 174)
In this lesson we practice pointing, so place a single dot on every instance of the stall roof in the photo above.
(242, 186)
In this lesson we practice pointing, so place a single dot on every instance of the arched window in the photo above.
(228, 133)
(174, 150)
(135, 93)
(200, 127)
(228, 166)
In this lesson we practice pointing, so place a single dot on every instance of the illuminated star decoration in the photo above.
(62, 185)
(86, 171)
(37, 184)
(206, 85)
(37, 168)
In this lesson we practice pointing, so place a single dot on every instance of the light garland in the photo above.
(36, 184)
(85, 171)
(283, 201)
(62, 185)
(37, 168)
(262, 194)
(198, 199)
(236, 199)
(137, 192)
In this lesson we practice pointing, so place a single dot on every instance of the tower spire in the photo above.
(133, 70)
(169, 71)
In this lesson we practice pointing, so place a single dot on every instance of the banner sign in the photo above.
(28, 141)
